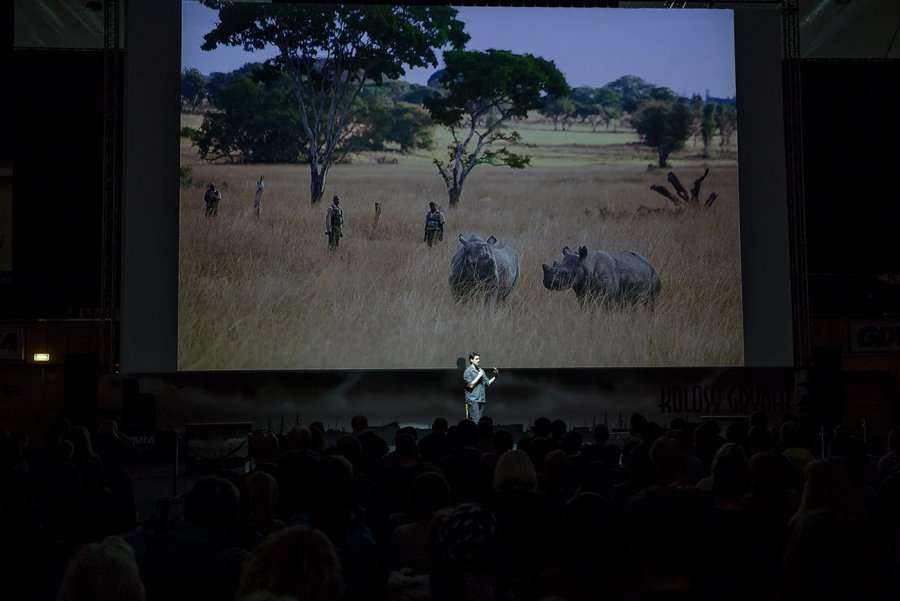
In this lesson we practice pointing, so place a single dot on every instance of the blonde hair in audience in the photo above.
(515, 471)
(298, 561)
(103, 571)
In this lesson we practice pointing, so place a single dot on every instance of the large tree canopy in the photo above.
(255, 122)
(193, 87)
(664, 126)
(329, 51)
(481, 91)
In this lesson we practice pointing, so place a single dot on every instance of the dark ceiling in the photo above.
(829, 29)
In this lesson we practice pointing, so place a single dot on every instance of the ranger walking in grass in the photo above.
(334, 222)
(212, 198)
(257, 200)
(434, 224)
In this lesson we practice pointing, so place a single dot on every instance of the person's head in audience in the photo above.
(681, 436)
(571, 442)
(373, 446)
(406, 447)
(240, 483)
(557, 469)
(668, 461)
(597, 477)
(63, 450)
(108, 427)
(792, 435)
(333, 483)
(601, 434)
(759, 439)
(538, 449)
(299, 562)
(264, 447)
(588, 517)
(849, 450)
(825, 558)
(828, 486)
(893, 441)
(485, 429)
(427, 493)
(759, 418)
(359, 423)
(102, 571)
(558, 429)
(440, 425)
(349, 447)
(637, 424)
(81, 441)
(299, 438)
(467, 433)
(678, 423)
(515, 472)
(469, 558)
(318, 442)
(262, 496)
(411, 430)
(731, 474)
(502, 441)
(212, 503)
(542, 427)
(736, 432)
(770, 489)
(57, 431)
(663, 523)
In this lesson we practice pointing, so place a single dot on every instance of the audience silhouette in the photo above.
(466, 512)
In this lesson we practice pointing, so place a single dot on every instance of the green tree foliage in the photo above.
(193, 87)
(664, 126)
(381, 121)
(494, 83)
(708, 126)
(726, 121)
(632, 90)
(329, 52)
(256, 121)
(558, 110)
(217, 80)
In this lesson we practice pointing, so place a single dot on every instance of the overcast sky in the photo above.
(688, 50)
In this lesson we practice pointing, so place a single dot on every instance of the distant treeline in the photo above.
(252, 115)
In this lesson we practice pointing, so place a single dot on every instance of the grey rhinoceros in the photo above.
(598, 277)
(483, 267)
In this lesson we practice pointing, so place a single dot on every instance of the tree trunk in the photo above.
(316, 184)
(663, 158)
(455, 194)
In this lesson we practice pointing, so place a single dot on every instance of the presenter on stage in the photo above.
(476, 381)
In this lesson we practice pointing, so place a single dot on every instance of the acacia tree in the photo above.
(193, 87)
(496, 83)
(329, 51)
(664, 126)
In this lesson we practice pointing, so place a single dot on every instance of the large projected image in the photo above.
(381, 187)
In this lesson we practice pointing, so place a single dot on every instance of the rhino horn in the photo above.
(567, 251)
(461, 239)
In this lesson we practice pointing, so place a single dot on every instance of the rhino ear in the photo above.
(582, 252)
(567, 250)
(461, 239)
(491, 241)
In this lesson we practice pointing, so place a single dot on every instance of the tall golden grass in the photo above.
(266, 293)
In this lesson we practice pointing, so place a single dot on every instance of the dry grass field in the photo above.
(267, 293)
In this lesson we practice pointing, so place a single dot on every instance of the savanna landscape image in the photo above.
(510, 143)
